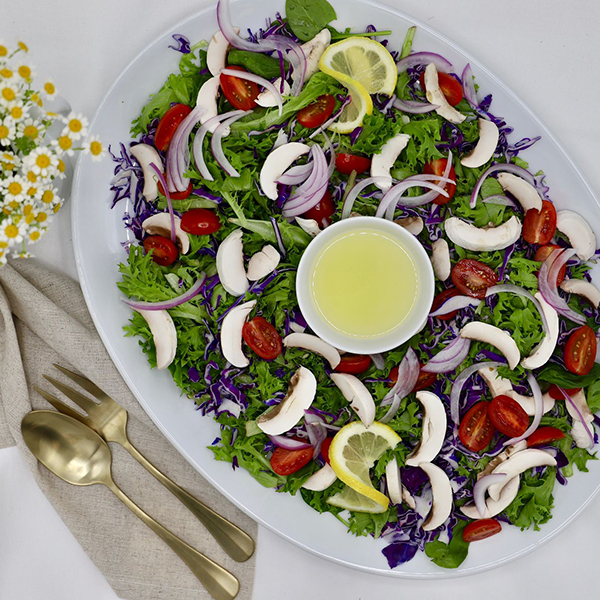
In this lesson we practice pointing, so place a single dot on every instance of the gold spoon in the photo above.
(80, 456)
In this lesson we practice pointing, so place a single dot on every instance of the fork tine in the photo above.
(79, 399)
(59, 405)
(84, 382)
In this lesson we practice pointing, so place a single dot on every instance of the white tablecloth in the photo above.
(546, 50)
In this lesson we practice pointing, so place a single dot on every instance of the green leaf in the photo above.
(408, 40)
(257, 63)
(451, 555)
(307, 17)
(553, 373)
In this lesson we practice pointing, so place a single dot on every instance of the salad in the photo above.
(258, 143)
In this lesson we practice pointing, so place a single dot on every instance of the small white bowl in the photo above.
(417, 316)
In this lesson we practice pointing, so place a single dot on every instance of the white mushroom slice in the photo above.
(528, 403)
(207, 99)
(230, 264)
(579, 232)
(145, 155)
(413, 225)
(434, 430)
(320, 480)
(440, 259)
(263, 263)
(519, 463)
(582, 288)
(522, 190)
(436, 96)
(441, 501)
(216, 53)
(276, 163)
(309, 225)
(579, 431)
(313, 50)
(300, 395)
(408, 498)
(504, 455)
(164, 334)
(483, 239)
(160, 224)
(359, 397)
(282, 138)
(314, 344)
(498, 385)
(394, 485)
(382, 163)
(267, 98)
(483, 332)
(543, 351)
(231, 334)
(495, 507)
(486, 145)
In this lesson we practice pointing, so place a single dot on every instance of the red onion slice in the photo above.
(519, 291)
(507, 167)
(215, 143)
(581, 417)
(414, 107)
(296, 175)
(265, 83)
(169, 203)
(288, 443)
(455, 303)
(315, 427)
(356, 190)
(408, 374)
(468, 87)
(450, 357)
(482, 486)
(378, 361)
(391, 413)
(500, 199)
(166, 304)
(424, 58)
(393, 198)
(538, 411)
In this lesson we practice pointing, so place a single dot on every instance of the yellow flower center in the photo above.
(49, 88)
(36, 98)
(65, 142)
(27, 209)
(13, 204)
(15, 188)
(25, 71)
(32, 191)
(43, 161)
(3, 244)
(3, 50)
(29, 219)
(41, 217)
(48, 196)
(57, 208)
(34, 236)
(96, 148)
(23, 47)
(61, 165)
(16, 112)
(31, 131)
(75, 125)
(3, 132)
(31, 176)
(8, 94)
(11, 231)
(6, 73)
(6, 210)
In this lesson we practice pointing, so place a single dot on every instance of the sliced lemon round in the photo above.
(363, 60)
(352, 500)
(360, 105)
(354, 450)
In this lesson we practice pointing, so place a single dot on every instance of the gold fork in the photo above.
(109, 420)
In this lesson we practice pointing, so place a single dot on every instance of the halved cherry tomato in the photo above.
(346, 163)
(476, 428)
(322, 212)
(440, 299)
(424, 381)
(286, 462)
(580, 351)
(540, 225)
(481, 529)
(177, 195)
(449, 86)
(325, 448)
(316, 113)
(438, 167)
(168, 124)
(543, 252)
(354, 364)
(508, 416)
(164, 251)
(241, 93)
(544, 435)
(473, 278)
(200, 221)
(262, 338)
(557, 394)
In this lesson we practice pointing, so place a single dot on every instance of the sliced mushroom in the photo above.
(483, 239)
(408, 498)
(216, 53)
(164, 334)
(528, 403)
(207, 99)
(519, 463)
(282, 138)
(314, 344)
(579, 232)
(276, 163)
(230, 264)
(504, 455)
(309, 225)
(495, 507)
(436, 96)
(313, 50)
(146, 155)
(433, 431)
(267, 98)
(579, 431)
(300, 395)
(382, 163)
(263, 263)
(359, 397)
(582, 288)
(522, 190)
(413, 225)
(543, 351)
(440, 259)
(486, 145)
(394, 484)
(320, 480)
(483, 332)
(498, 385)
(441, 491)
(231, 334)
(160, 224)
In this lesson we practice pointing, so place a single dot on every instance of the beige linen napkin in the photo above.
(44, 319)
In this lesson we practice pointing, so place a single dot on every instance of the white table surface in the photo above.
(546, 50)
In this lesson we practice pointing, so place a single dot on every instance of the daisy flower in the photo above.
(14, 188)
(95, 148)
(6, 73)
(63, 145)
(42, 161)
(14, 232)
(3, 50)
(26, 72)
(76, 126)
(31, 128)
(9, 92)
(9, 161)
(18, 111)
(49, 89)
(7, 131)
(23, 46)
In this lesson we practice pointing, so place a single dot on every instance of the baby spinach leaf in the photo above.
(307, 17)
